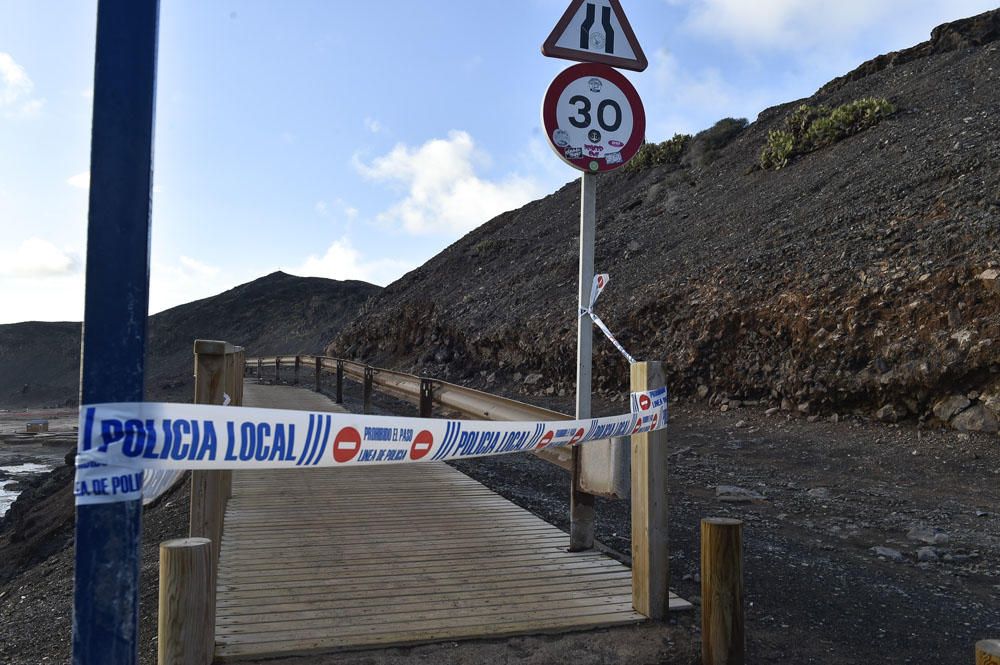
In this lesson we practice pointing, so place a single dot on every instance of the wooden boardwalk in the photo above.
(326, 559)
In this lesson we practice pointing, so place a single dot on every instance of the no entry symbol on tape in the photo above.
(545, 440)
(421, 445)
(576, 437)
(346, 445)
(644, 402)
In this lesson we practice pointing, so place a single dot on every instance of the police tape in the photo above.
(600, 281)
(119, 442)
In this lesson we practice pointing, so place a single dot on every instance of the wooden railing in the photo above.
(189, 566)
(646, 473)
(425, 393)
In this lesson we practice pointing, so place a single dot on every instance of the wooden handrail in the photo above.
(469, 402)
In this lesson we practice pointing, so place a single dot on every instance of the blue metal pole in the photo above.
(106, 594)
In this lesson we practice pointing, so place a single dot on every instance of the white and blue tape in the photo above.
(118, 442)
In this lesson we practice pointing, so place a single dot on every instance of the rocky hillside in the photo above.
(860, 277)
(278, 313)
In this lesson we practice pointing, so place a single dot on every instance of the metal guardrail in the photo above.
(468, 402)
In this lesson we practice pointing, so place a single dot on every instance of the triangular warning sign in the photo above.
(596, 31)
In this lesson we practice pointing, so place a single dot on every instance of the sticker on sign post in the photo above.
(593, 118)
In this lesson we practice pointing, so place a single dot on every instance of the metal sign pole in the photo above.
(581, 534)
(106, 593)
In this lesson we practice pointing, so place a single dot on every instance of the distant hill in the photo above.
(278, 313)
(858, 277)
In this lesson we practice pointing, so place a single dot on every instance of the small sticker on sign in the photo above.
(595, 84)
(560, 137)
(574, 153)
(613, 158)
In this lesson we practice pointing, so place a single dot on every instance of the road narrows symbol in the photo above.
(346, 445)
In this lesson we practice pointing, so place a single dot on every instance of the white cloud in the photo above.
(373, 125)
(196, 268)
(16, 89)
(444, 194)
(350, 213)
(343, 261)
(795, 25)
(687, 101)
(187, 279)
(36, 257)
(321, 208)
(56, 298)
(80, 180)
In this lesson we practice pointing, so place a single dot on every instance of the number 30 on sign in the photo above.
(593, 118)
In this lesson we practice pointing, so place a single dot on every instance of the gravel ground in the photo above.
(815, 497)
(819, 496)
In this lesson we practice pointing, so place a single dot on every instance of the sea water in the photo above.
(27, 469)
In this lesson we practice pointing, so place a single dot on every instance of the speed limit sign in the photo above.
(593, 118)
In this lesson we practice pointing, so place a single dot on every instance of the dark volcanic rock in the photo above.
(848, 280)
(278, 313)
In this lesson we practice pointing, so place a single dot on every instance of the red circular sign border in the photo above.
(573, 73)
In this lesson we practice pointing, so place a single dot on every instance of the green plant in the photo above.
(720, 134)
(654, 154)
(810, 128)
(706, 144)
(778, 149)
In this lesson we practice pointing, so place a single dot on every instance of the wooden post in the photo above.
(723, 637)
(988, 652)
(277, 370)
(207, 487)
(319, 373)
(298, 364)
(426, 398)
(367, 393)
(186, 621)
(340, 381)
(650, 551)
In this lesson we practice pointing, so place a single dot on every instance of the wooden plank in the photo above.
(328, 559)
(469, 575)
(256, 628)
(377, 570)
(541, 591)
(311, 595)
(405, 637)
(449, 622)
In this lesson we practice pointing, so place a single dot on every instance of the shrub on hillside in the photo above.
(654, 154)
(810, 128)
(722, 133)
(705, 144)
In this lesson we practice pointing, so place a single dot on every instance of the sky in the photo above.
(356, 140)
